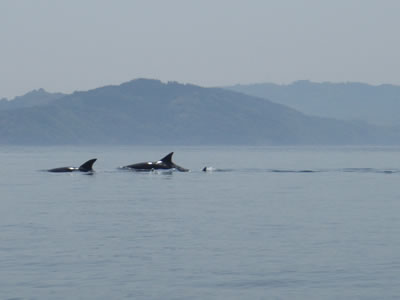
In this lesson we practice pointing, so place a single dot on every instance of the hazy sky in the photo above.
(82, 44)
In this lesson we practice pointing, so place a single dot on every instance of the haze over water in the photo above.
(272, 223)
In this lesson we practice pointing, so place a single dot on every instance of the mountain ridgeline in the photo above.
(34, 98)
(149, 112)
(379, 105)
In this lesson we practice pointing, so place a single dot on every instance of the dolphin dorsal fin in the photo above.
(167, 159)
(87, 166)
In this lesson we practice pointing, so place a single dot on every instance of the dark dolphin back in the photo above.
(62, 170)
(163, 163)
(87, 166)
(181, 169)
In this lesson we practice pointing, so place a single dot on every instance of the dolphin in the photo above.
(208, 169)
(212, 169)
(86, 167)
(164, 163)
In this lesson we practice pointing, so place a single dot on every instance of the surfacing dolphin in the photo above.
(163, 164)
(212, 169)
(86, 167)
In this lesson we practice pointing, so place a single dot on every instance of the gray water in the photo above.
(272, 223)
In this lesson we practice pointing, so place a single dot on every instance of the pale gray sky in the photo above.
(82, 44)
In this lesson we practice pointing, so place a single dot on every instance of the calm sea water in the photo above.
(273, 223)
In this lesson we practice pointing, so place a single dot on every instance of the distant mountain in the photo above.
(148, 112)
(378, 105)
(31, 99)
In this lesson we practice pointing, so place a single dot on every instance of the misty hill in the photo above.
(146, 111)
(33, 98)
(347, 101)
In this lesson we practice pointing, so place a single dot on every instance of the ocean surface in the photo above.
(264, 223)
